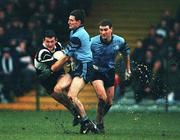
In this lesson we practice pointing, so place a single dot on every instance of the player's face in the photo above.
(50, 42)
(73, 23)
(105, 32)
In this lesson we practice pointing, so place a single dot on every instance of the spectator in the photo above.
(167, 16)
(3, 38)
(172, 38)
(163, 26)
(150, 39)
(172, 73)
(2, 17)
(176, 28)
(15, 32)
(27, 75)
(138, 53)
(142, 76)
(10, 68)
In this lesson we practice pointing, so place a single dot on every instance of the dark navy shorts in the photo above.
(51, 81)
(106, 77)
(83, 70)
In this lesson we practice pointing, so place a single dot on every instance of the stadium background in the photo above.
(24, 21)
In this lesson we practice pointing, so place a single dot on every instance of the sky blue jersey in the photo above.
(79, 47)
(104, 53)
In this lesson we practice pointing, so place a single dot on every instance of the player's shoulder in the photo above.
(43, 53)
(95, 39)
(79, 31)
(59, 46)
(82, 34)
(118, 38)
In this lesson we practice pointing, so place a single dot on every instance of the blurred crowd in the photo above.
(156, 61)
(26, 19)
(21, 25)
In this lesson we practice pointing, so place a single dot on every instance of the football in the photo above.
(58, 55)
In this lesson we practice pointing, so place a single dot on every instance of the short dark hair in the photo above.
(106, 22)
(79, 14)
(49, 33)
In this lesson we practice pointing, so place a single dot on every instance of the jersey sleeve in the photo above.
(59, 47)
(95, 52)
(124, 48)
(44, 56)
(73, 45)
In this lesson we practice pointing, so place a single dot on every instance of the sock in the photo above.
(100, 111)
(84, 120)
(63, 99)
(106, 108)
(71, 106)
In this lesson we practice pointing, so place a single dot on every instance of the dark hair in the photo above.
(6, 49)
(106, 22)
(79, 14)
(49, 33)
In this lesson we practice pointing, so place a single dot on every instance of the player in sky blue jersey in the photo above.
(79, 52)
(105, 47)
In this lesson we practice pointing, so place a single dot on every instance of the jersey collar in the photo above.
(77, 28)
(107, 43)
(48, 49)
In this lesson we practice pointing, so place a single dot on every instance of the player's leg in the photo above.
(107, 106)
(102, 97)
(60, 96)
(109, 85)
(110, 96)
(76, 86)
(106, 88)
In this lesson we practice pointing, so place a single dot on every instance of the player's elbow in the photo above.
(57, 89)
(55, 68)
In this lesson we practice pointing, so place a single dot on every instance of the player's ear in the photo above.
(79, 22)
(111, 29)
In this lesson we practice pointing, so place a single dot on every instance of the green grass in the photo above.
(56, 125)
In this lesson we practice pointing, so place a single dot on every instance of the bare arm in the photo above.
(128, 66)
(59, 64)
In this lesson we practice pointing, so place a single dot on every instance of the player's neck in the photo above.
(107, 41)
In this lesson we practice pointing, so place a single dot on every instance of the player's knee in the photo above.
(102, 97)
(71, 97)
(57, 90)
